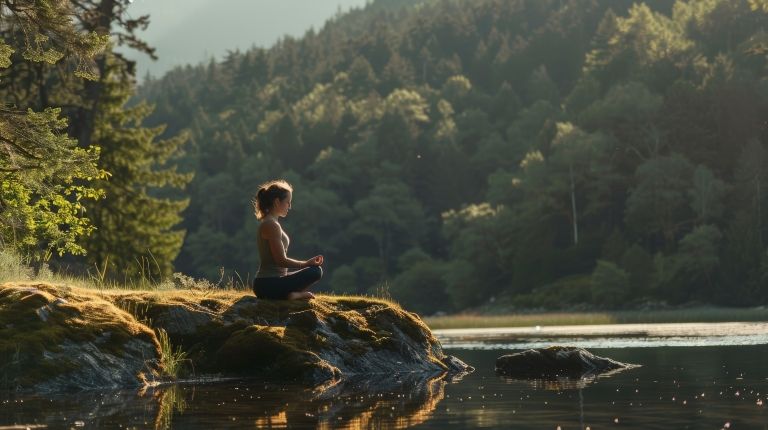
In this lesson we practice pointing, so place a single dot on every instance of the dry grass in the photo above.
(702, 314)
(36, 315)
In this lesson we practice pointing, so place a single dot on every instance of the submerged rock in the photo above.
(57, 338)
(556, 362)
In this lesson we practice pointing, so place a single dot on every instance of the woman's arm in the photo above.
(274, 234)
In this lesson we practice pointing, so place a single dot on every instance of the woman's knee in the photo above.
(316, 272)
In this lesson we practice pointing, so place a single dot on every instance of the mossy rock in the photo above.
(557, 362)
(273, 351)
(55, 338)
(224, 332)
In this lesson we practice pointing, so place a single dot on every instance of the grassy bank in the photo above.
(181, 289)
(701, 314)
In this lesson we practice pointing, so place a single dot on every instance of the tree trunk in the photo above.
(574, 216)
(93, 89)
(759, 214)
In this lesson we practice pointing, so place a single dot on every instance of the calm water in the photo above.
(719, 385)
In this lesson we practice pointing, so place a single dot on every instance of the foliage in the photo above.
(610, 285)
(171, 359)
(135, 222)
(521, 145)
(85, 177)
(45, 179)
(45, 175)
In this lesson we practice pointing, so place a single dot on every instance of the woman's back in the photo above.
(268, 267)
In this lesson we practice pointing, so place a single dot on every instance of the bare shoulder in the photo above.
(270, 228)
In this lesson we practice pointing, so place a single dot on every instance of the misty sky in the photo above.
(191, 31)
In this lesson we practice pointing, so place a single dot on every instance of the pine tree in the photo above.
(44, 176)
(135, 223)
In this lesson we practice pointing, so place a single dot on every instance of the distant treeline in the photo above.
(551, 153)
(554, 152)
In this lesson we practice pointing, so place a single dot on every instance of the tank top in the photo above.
(268, 268)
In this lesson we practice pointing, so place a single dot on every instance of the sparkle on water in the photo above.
(692, 376)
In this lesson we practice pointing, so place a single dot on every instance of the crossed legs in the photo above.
(291, 287)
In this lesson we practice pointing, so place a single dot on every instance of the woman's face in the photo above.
(282, 206)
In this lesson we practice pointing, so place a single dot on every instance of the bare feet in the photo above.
(301, 295)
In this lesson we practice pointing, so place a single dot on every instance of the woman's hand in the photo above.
(314, 261)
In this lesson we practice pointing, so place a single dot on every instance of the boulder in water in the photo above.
(556, 362)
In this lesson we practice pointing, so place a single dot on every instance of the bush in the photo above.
(12, 267)
(638, 264)
(422, 288)
(610, 284)
(561, 294)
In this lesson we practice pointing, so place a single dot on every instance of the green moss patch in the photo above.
(271, 351)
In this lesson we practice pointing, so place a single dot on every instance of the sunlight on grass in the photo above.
(703, 314)
(171, 359)
(15, 268)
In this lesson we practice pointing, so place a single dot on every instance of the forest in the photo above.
(547, 154)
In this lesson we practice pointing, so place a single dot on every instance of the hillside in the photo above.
(556, 152)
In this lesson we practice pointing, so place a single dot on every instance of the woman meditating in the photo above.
(273, 280)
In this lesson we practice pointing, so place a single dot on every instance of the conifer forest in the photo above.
(547, 154)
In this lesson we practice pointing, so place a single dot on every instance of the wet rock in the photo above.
(556, 361)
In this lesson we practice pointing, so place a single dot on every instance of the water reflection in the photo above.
(170, 400)
(674, 388)
(378, 401)
(563, 383)
(388, 403)
(694, 387)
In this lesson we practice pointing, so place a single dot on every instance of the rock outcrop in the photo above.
(53, 338)
(56, 337)
(315, 342)
(556, 362)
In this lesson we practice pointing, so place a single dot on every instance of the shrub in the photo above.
(610, 284)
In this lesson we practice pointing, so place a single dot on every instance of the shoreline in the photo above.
(609, 336)
(702, 314)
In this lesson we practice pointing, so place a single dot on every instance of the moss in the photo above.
(244, 335)
(38, 317)
(270, 351)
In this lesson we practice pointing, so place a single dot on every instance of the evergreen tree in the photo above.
(45, 176)
(135, 224)
(530, 142)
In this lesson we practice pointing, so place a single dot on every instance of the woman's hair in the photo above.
(268, 192)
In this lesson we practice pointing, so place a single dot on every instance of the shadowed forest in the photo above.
(546, 154)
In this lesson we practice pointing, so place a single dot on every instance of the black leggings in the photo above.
(278, 288)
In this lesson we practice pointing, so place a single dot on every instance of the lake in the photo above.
(697, 376)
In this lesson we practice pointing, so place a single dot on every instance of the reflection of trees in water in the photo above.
(387, 404)
(380, 401)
